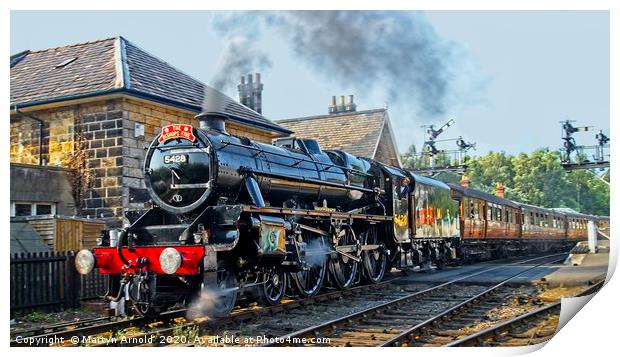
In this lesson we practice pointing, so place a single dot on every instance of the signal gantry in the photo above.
(577, 157)
(432, 161)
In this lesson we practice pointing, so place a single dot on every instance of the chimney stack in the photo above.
(465, 181)
(251, 93)
(342, 107)
(499, 190)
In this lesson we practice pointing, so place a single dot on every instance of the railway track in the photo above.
(99, 331)
(181, 334)
(62, 332)
(399, 321)
(534, 327)
(172, 324)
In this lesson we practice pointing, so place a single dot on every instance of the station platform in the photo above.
(579, 269)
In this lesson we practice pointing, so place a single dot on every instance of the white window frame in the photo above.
(33, 207)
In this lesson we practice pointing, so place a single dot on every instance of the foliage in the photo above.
(536, 178)
(38, 316)
(83, 175)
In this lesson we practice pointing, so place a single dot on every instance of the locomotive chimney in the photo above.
(213, 121)
(499, 190)
(465, 181)
(332, 108)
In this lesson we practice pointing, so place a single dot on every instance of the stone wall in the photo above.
(86, 138)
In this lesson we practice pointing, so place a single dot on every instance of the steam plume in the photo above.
(394, 51)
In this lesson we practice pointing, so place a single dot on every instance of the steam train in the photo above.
(230, 216)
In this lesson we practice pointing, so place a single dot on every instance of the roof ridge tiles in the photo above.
(335, 115)
(73, 45)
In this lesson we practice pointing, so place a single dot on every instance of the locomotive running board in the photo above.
(315, 213)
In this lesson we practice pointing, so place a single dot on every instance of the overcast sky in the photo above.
(525, 71)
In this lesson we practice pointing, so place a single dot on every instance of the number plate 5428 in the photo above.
(175, 159)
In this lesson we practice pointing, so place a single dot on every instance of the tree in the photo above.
(538, 179)
(485, 171)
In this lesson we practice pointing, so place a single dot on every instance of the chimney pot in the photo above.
(250, 94)
(332, 108)
(350, 106)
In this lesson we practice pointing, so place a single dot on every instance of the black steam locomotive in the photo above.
(231, 215)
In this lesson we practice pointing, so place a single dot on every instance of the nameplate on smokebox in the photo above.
(177, 131)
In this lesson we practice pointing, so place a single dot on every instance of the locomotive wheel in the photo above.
(309, 282)
(272, 291)
(343, 268)
(218, 300)
(374, 261)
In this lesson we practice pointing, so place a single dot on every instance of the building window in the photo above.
(23, 209)
(43, 209)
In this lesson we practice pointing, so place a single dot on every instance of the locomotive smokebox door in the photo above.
(272, 237)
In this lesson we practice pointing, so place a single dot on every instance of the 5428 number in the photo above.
(175, 159)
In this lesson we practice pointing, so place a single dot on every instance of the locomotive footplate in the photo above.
(316, 213)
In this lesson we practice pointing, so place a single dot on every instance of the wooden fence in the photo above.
(49, 282)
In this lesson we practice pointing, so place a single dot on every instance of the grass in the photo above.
(38, 316)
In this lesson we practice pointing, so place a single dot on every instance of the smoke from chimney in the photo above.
(396, 52)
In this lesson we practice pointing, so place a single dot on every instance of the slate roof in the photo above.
(107, 66)
(24, 239)
(357, 133)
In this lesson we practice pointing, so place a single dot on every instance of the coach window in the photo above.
(489, 212)
(476, 209)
